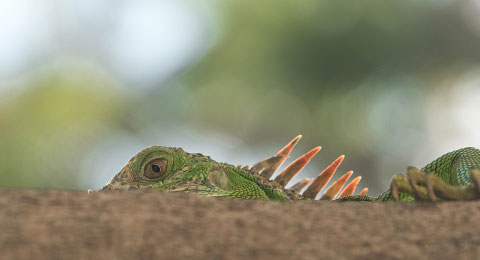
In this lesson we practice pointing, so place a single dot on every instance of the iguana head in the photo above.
(152, 165)
(172, 169)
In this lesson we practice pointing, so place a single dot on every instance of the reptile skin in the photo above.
(453, 176)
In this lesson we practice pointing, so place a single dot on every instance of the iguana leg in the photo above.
(428, 184)
(415, 177)
(430, 187)
(475, 176)
(408, 185)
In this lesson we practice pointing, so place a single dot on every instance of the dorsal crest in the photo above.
(266, 169)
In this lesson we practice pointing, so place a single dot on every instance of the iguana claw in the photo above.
(429, 187)
(475, 176)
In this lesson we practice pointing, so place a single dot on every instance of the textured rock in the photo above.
(49, 224)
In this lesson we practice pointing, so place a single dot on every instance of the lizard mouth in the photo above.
(107, 187)
(119, 182)
(113, 187)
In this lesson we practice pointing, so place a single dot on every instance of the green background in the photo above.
(387, 83)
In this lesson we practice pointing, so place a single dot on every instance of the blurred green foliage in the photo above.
(47, 129)
(353, 77)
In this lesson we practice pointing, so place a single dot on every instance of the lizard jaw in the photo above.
(121, 181)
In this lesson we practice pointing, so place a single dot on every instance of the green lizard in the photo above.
(453, 176)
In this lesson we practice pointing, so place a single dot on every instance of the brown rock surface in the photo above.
(41, 224)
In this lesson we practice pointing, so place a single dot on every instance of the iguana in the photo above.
(453, 176)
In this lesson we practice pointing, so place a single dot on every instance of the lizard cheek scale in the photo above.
(218, 178)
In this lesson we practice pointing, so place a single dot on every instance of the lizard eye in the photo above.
(156, 168)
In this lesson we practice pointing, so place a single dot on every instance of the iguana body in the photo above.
(192, 173)
(172, 169)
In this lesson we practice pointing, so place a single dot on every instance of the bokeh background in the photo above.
(84, 85)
